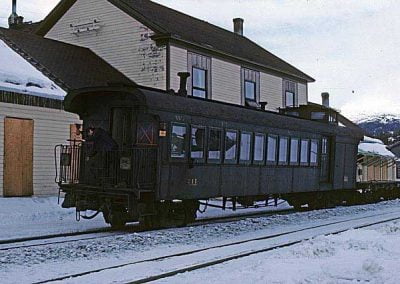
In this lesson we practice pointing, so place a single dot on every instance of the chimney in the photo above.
(14, 19)
(325, 99)
(238, 26)
(182, 88)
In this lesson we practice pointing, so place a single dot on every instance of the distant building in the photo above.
(375, 161)
(395, 149)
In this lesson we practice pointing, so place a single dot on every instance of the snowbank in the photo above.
(18, 75)
(374, 147)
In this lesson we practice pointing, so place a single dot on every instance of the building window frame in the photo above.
(197, 88)
(250, 76)
(202, 62)
(290, 87)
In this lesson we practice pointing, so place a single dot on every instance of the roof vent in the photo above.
(238, 26)
(182, 89)
(14, 19)
(325, 99)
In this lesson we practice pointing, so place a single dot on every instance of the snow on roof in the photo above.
(374, 147)
(18, 75)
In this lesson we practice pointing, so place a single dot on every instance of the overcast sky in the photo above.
(349, 46)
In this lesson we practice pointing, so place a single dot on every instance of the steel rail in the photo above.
(132, 228)
(210, 263)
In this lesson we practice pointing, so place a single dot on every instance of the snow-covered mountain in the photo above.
(385, 126)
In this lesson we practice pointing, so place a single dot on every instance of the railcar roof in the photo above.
(158, 100)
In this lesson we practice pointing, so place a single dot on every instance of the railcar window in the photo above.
(245, 146)
(259, 142)
(283, 150)
(178, 137)
(271, 149)
(214, 144)
(294, 151)
(230, 145)
(314, 152)
(304, 154)
(197, 142)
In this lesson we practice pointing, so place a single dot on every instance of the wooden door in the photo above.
(18, 157)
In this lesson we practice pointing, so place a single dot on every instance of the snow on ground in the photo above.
(355, 256)
(17, 75)
(37, 216)
(31, 264)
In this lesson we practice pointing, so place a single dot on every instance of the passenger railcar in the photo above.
(175, 150)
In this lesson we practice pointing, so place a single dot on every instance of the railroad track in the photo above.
(133, 228)
(157, 268)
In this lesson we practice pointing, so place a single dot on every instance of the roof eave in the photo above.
(166, 37)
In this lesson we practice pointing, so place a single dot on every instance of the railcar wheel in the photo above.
(115, 218)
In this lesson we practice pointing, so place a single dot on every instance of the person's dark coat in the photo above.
(102, 141)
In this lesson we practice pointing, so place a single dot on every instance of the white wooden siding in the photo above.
(178, 63)
(225, 80)
(51, 127)
(302, 91)
(121, 41)
(271, 91)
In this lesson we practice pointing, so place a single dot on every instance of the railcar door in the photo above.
(146, 151)
(325, 159)
(122, 129)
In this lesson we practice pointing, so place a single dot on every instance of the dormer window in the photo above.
(290, 98)
(250, 87)
(250, 90)
(199, 83)
(199, 67)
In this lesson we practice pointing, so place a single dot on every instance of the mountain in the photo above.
(384, 126)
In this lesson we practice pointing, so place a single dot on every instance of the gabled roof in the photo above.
(70, 67)
(171, 24)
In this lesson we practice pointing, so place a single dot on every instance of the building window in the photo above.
(271, 149)
(200, 67)
(250, 87)
(259, 146)
(250, 90)
(294, 151)
(245, 146)
(290, 98)
(231, 146)
(304, 152)
(314, 152)
(197, 142)
(199, 79)
(214, 144)
(283, 150)
(178, 135)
